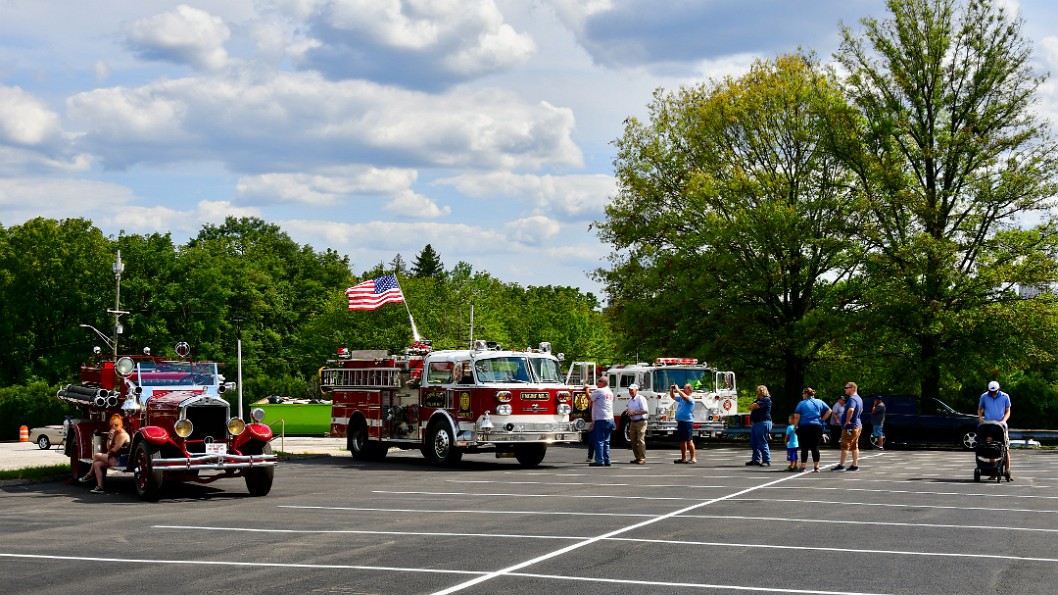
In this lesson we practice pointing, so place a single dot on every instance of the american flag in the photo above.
(373, 294)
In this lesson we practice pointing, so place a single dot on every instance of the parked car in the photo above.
(916, 420)
(45, 436)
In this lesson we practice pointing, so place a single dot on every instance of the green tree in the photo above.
(428, 264)
(952, 156)
(732, 224)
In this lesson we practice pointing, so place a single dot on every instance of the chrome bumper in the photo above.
(215, 462)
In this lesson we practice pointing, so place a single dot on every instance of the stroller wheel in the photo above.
(977, 475)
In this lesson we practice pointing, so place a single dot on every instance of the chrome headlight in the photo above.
(124, 366)
(236, 426)
(183, 428)
(564, 409)
(258, 415)
(503, 409)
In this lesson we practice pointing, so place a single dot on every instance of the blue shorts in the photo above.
(684, 430)
(876, 431)
(791, 454)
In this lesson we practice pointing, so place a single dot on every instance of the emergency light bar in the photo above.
(669, 361)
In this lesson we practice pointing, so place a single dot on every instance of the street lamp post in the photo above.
(119, 267)
(238, 349)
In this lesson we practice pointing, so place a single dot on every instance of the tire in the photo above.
(530, 455)
(440, 448)
(968, 439)
(259, 480)
(977, 475)
(361, 447)
(43, 443)
(148, 479)
(621, 436)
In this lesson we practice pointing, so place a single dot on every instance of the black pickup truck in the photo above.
(916, 420)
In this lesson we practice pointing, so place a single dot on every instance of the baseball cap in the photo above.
(993, 386)
(633, 387)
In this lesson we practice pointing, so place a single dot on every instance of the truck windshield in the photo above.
(546, 370)
(697, 378)
(176, 374)
(502, 369)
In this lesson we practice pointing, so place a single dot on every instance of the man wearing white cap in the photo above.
(994, 405)
(637, 424)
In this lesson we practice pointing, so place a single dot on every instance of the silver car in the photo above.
(45, 436)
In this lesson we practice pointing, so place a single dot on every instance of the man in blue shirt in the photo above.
(994, 405)
(850, 428)
(684, 422)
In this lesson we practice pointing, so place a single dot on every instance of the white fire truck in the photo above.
(448, 402)
(715, 397)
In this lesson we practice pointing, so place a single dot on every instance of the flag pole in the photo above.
(414, 331)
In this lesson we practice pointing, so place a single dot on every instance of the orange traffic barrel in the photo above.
(23, 434)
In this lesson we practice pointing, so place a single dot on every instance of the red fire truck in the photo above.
(448, 402)
(179, 426)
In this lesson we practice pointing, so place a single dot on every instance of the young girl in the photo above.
(791, 445)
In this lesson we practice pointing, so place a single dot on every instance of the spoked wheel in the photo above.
(43, 443)
(968, 440)
(148, 479)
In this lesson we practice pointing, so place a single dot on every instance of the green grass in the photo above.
(37, 473)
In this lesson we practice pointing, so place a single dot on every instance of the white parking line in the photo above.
(860, 523)
(905, 505)
(914, 492)
(577, 513)
(586, 542)
(586, 483)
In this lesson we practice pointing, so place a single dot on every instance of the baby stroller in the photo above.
(991, 451)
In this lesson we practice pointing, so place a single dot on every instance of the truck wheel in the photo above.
(621, 436)
(360, 446)
(148, 479)
(969, 439)
(530, 455)
(259, 479)
(43, 443)
(440, 447)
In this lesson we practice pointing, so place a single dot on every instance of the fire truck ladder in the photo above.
(360, 377)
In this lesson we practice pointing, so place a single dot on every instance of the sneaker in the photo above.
(853, 468)
(765, 464)
(692, 462)
(589, 460)
(838, 468)
(680, 462)
(97, 490)
(816, 470)
(605, 464)
(595, 464)
(752, 464)
(85, 478)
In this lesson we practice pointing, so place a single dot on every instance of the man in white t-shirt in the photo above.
(602, 420)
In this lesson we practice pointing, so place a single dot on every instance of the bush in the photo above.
(33, 404)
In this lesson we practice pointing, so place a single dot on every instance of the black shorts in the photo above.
(684, 430)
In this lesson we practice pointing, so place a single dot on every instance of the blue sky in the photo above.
(373, 127)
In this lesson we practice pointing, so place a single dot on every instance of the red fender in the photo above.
(154, 435)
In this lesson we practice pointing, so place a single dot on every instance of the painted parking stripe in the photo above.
(723, 517)
(126, 561)
(914, 492)
(469, 511)
(904, 505)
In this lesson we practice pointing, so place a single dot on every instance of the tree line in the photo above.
(243, 279)
(877, 219)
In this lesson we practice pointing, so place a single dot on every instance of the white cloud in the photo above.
(533, 230)
(570, 196)
(26, 120)
(410, 205)
(323, 188)
(423, 44)
(257, 126)
(184, 35)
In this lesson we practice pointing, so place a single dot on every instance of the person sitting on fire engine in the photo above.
(116, 439)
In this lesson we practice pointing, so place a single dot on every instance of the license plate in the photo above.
(216, 448)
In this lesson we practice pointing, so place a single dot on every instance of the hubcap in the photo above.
(440, 444)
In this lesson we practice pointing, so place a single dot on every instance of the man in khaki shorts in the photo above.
(850, 429)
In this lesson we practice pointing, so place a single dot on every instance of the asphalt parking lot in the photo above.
(911, 521)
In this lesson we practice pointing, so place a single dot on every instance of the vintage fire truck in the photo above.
(180, 428)
(449, 402)
(714, 395)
